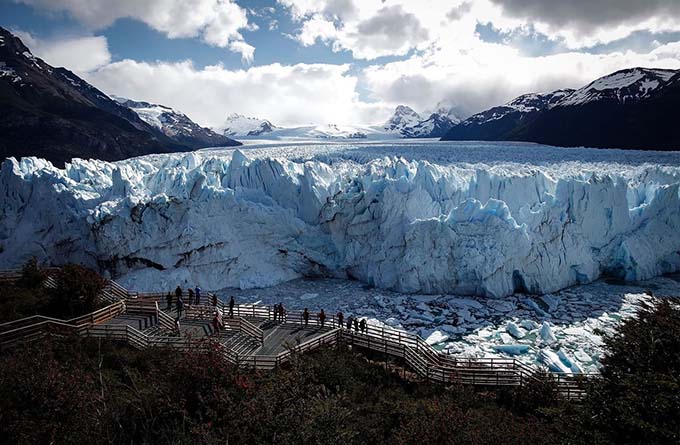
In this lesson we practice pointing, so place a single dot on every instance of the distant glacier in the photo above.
(418, 218)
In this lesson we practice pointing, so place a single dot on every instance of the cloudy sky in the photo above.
(342, 61)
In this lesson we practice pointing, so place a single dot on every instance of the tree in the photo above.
(75, 292)
(637, 399)
(32, 276)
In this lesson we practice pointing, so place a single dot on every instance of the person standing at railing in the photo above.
(198, 295)
(340, 318)
(349, 323)
(276, 311)
(282, 312)
(178, 292)
(231, 307)
(191, 297)
(216, 323)
(180, 307)
(362, 325)
(305, 316)
(214, 300)
(168, 299)
(356, 324)
(322, 317)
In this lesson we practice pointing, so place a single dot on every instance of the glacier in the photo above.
(255, 218)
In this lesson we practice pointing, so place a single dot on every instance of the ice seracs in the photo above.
(411, 226)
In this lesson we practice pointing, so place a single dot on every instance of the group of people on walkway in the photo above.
(279, 312)
(193, 297)
(352, 322)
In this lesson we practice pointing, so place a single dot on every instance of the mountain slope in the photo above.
(176, 125)
(634, 109)
(52, 113)
(498, 122)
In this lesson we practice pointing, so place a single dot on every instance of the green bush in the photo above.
(82, 391)
(637, 399)
(32, 276)
(75, 292)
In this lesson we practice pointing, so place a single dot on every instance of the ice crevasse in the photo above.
(410, 226)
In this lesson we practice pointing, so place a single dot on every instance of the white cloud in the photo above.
(286, 94)
(493, 74)
(369, 29)
(451, 62)
(217, 22)
(78, 54)
(247, 51)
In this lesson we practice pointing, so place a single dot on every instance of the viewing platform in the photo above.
(250, 336)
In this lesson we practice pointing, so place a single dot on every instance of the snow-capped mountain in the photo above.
(407, 123)
(495, 123)
(623, 86)
(175, 125)
(238, 125)
(632, 108)
(243, 127)
(635, 108)
(403, 120)
(53, 113)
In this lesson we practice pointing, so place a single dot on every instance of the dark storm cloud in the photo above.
(590, 15)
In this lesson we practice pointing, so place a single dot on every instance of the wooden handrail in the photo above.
(418, 354)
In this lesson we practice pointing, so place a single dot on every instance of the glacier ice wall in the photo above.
(409, 226)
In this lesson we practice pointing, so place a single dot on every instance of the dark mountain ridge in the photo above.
(632, 109)
(54, 114)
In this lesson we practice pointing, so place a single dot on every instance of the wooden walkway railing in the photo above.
(416, 353)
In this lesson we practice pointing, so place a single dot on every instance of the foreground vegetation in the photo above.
(82, 391)
(73, 390)
(74, 293)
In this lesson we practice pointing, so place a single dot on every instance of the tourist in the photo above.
(216, 323)
(214, 300)
(231, 307)
(168, 299)
(305, 316)
(322, 317)
(340, 318)
(282, 312)
(349, 323)
(180, 307)
(191, 297)
(362, 325)
(356, 324)
(276, 311)
(198, 295)
(178, 292)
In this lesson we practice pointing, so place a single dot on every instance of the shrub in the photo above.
(32, 276)
(637, 399)
(75, 292)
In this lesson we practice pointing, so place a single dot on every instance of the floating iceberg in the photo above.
(412, 226)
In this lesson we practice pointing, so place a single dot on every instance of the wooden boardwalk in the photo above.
(251, 337)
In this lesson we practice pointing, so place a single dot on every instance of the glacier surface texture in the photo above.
(229, 219)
